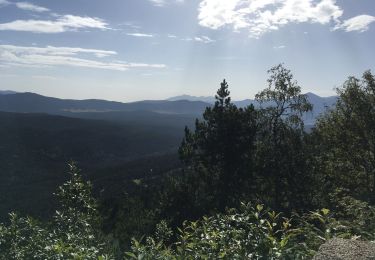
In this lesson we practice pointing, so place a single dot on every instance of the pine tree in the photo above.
(220, 150)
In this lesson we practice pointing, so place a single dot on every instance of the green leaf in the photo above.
(132, 255)
(325, 211)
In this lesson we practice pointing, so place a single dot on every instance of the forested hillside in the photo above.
(35, 148)
(148, 111)
(34, 103)
(251, 183)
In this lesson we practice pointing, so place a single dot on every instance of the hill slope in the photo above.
(34, 103)
(320, 104)
(109, 110)
(35, 148)
(7, 92)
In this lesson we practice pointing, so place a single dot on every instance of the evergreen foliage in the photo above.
(219, 153)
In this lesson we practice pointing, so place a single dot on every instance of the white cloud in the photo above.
(3, 2)
(140, 35)
(165, 2)
(61, 24)
(102, 55)
(31, 7)
(262, 16)
(204, 39)
(51, 50)
(11, 55)
(358, 23)
(158, 2)
(201, 39)
(279, 47)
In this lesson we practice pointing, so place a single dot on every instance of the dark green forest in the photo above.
(249, 182)
(35, 149)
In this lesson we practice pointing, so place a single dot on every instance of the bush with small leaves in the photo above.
(73, 233)
(248, 233)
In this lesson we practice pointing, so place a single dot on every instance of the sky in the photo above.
(128, 50)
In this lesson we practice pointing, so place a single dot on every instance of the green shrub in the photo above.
(74, 232)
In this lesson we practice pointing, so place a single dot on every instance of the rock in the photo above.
(345, 249)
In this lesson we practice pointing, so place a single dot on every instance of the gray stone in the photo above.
(345, 249)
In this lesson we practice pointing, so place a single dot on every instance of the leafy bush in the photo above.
(248, 233)
(245, 233)
(74, 232)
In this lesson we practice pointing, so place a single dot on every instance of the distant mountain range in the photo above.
(183, 105)
(210, 100)
(34, 103)
(7, 92)
(320, 104)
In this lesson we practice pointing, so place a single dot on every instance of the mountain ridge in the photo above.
(29, 102)
(211, 99)
(34, 103)
(7, 92)
(320, 104)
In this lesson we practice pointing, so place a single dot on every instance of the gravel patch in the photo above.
(345, 249)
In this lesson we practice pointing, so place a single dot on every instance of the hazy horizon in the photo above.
(155, 49)
(199, 98)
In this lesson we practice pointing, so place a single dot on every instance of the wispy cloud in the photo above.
(204, 39)
(201, 39)
(25, 6)
(262, 16)
(11, 55)
(279, 47)
(31, 7)
(165, 2)
(140, 35)
(158, 2)
(4, 2)
(131, 25)
(358, 23)
(51, 50)
(61, 24)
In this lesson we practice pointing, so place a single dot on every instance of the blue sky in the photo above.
(130, 50)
